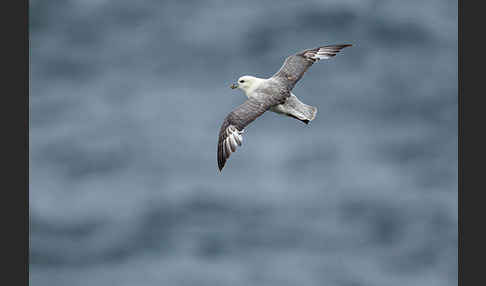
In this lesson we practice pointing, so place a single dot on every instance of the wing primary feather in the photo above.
(224, 152)
(232, 142)
(238, 138)
(228, 147)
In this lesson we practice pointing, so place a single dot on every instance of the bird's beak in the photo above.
(233, 86)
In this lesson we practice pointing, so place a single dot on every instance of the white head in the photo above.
(247, 83)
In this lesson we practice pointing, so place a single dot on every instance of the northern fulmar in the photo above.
(274, 94)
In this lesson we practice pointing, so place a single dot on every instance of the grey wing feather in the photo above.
(231, 131)
(296, 65)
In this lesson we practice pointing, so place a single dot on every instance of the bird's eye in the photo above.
(242, 81)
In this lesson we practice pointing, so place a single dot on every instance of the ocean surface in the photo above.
(126, 101)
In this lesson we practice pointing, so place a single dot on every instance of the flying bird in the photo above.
(274, 94)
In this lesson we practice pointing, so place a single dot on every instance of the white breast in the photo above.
(250, 93)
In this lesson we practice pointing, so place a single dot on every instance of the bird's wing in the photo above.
(231, 131)
(296, 65)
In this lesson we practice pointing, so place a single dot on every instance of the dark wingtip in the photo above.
(220, 166)
(342, 46)
(306, 121)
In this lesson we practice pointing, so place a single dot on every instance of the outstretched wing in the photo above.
(231, 131)
(296, 65)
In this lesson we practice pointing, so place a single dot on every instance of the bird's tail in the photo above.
(299, 110)
(309, 112)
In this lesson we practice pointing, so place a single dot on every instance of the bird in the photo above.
(274, 94)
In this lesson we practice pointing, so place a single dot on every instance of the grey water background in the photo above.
(126, 100)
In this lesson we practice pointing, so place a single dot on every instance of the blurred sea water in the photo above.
(126, 100)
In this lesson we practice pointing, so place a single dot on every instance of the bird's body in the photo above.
(274, 94)
(262, 88)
